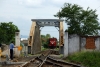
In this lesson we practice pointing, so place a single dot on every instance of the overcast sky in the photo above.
(20, 12)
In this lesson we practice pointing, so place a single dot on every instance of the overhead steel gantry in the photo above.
(33, 44)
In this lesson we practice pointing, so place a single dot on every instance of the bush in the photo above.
(89, 59)
(45, 45)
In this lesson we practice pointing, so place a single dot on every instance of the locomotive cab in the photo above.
(52, 43)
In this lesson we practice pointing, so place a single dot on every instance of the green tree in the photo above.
(7, 32)
(44, 39)
(79, 21)
(48, 36)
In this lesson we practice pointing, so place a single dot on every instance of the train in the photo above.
(52, 43)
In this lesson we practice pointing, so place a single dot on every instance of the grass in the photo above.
(42, 49)
(57, 49)
(88, 59)
(61, 55)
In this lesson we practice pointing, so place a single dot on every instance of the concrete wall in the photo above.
(83, 43)
(97, 43)
(73, 42)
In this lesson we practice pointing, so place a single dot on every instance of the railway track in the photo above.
(44, 60)
(51, 62)
(38, 61)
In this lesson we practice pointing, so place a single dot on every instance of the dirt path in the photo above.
(20, 59)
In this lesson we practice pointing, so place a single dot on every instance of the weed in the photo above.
(89, 59)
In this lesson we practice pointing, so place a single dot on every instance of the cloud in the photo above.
(20, 12)
(34, 2)
(41, 3)
(59, 1)
(31, 3)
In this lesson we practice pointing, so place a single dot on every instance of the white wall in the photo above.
(66, 44)
(73, 42)
(97, 43)
(83, 43)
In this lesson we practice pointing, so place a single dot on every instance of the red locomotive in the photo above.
(52, 43)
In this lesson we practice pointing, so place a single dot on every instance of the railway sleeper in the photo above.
(51, 63)
(62, 62)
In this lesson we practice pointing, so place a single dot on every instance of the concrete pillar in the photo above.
(17, 43)
(66, 45)
(61, 42)
(61, 34)
(31, 37)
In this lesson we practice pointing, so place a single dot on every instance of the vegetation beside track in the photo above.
(88, 59)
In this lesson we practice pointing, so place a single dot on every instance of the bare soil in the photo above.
(20, 59)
